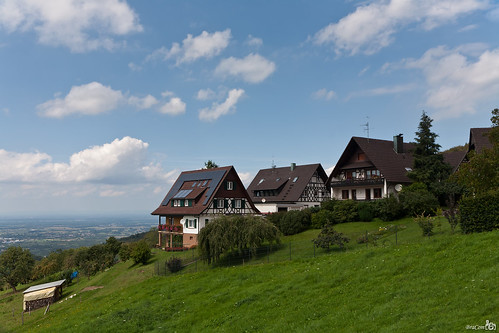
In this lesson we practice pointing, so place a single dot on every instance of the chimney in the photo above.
(293, 166)
(398, 143)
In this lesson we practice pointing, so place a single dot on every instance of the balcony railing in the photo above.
(171, 228)
(357, 182)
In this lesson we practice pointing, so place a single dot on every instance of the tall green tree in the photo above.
(16, 266)
(429, 166)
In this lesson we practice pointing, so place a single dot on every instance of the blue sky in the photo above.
(104, 102)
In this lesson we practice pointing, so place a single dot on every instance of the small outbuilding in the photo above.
(41, 295)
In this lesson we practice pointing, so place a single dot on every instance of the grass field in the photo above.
(441, 284)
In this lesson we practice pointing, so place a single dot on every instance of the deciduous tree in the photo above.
(16, 265)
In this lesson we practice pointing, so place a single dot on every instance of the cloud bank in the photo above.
(373, 26)
(80, 26)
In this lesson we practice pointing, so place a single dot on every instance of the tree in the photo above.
(210, 165)
(429, 166)
(235, 233)
(141, 252)
(16, 265)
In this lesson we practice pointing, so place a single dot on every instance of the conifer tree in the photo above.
(429, 166)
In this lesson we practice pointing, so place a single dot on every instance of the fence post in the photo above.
(396, 233)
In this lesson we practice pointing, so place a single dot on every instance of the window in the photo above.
(176, 203)
(261, 181)
(190, 223)
(354, 194)
(344, 194)
(295, 179)
(238, 203)
(230, 186)
(220, 203)
(377, 193)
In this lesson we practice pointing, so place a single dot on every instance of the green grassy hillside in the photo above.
(436, 284)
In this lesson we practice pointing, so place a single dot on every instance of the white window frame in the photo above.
(230, 185)
(238, 203)
(221, 203)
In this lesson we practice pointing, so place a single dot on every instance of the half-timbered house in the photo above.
(195, 199)
(289, 188)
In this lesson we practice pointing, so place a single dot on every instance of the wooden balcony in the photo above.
(357, 182)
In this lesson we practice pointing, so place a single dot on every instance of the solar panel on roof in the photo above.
(182, 194)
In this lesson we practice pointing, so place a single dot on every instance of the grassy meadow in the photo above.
(441, 284)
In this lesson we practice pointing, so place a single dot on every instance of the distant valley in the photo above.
(46, 234)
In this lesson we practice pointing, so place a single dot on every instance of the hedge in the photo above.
(479, 213)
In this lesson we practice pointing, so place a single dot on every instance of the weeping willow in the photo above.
(235, 233)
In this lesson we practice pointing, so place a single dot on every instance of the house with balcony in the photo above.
(289, 188)
(194, 200)
(371, 168)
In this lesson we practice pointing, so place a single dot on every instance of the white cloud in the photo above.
(246, 178)
(217, 110)
(79, 25)
(253, 68)
(468, 28)
(372, 26)
(459, 79)
(390, 90)
(123, 161)
(205, 94)
(254, 41)
(134, 67)
(324, 94)
(143, 103)
(94, 98)
(173, 107)
(205, 45)
(88, 99)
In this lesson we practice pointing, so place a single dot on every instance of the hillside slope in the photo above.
(439, 284)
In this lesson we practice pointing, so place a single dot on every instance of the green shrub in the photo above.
(125, 251)
(452, 215)
(174, 264)
(389, 209)
(141, 252)
(479, 213)
(426, 223)
(329, 204)
(321, 218)
(345, 211)
(366, 211)
(417, 200)
(330, 237)
(294, 222)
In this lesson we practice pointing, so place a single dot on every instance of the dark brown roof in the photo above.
(454, 158)
(381, 155)
(479, 139)
(202, 186)
(291, 183)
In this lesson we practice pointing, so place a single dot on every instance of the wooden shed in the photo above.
(41, 295)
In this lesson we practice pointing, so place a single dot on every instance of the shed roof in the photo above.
(44, 286)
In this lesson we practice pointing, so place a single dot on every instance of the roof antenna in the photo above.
(273, 164)
(366, 128)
